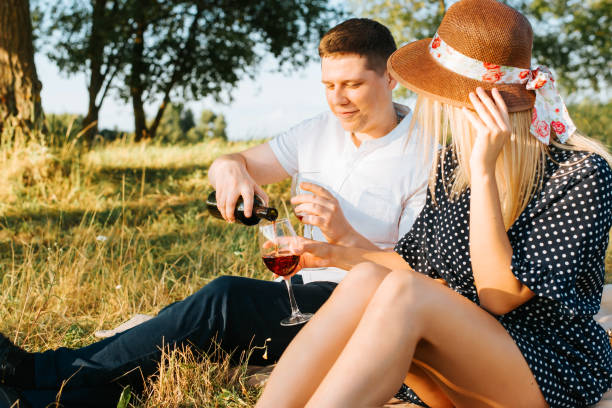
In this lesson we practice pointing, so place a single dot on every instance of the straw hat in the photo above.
(484, 30)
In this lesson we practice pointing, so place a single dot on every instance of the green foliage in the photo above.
(570, 36)
(173, 125)
(63, 127)
(573, 37)
(594, 119)
(218, 127)
(75, 336)
(178, 126)
(408, 20)
(125, 397)
(65, 28)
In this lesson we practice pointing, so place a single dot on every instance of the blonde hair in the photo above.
(520, 165)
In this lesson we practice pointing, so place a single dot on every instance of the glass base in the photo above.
(296, 319)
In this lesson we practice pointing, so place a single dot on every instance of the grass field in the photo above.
(89, 238)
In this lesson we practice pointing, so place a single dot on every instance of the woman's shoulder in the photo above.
(577, 164)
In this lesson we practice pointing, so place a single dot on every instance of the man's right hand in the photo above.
(229, 176)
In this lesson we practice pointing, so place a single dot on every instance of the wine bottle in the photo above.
(259, 210)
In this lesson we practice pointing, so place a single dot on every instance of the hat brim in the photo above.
(413, 66)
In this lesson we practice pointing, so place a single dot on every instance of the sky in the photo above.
(262, 107)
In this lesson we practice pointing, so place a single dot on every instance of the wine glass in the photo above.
(276, 245)
(296, 180)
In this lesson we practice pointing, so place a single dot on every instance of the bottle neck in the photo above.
(268, 213)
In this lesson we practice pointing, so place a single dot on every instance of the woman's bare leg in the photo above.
(468, 352)
(314, 350)
(427, 387)
(316, 347)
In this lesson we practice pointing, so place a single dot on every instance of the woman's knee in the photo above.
(402, 290)
(363, 278)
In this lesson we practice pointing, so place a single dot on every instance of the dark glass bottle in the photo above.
(259, 210)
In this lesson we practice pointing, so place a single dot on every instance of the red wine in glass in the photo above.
(281, 264)
(275, 243)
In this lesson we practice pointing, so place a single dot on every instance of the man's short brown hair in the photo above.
(360, 36)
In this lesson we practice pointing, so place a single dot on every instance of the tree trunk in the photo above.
(178, 71)
(91, 119)
(96, 79)
(19, 85)
(158, 117)
(136, 86)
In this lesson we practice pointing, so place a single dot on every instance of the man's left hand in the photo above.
(321, 209)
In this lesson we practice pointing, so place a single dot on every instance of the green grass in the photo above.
(89, 238)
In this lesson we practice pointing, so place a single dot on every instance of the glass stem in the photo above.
(292, 302)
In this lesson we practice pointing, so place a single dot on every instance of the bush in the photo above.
(178, 126)
(594, 119)
(63, 128)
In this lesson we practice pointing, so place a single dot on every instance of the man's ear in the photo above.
(392, 82)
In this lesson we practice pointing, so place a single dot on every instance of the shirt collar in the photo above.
(398, 131)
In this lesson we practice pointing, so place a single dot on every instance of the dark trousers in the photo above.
(237, 313)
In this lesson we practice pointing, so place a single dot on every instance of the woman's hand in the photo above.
(313, 254)
(492, 124)
(499, 291)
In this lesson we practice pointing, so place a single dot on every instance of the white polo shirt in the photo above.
(379, 185)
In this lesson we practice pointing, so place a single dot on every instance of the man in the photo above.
(370, 188)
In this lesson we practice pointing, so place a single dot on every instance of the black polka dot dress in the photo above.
(559, 244)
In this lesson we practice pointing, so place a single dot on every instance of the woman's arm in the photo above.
(322, 254)
(499, 290)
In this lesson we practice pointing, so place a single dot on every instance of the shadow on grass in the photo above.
(156, 176)
(187, 241)
(135, 214)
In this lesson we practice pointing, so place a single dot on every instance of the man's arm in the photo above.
(241, 174)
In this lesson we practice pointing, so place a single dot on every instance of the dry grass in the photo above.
(187, 379)
(89, 238)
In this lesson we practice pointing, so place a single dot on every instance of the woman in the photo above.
(489, 299)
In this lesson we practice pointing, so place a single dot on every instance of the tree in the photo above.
(175, 124)
(210, 126)
(162, 50)
(90, 36)
(19, 85)
(579, 43)
(594, 119)
(570, 36)
(192, 49)
(219, 126)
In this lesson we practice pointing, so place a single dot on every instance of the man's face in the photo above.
(356, 94)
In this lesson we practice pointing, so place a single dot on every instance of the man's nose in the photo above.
(339, 96)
